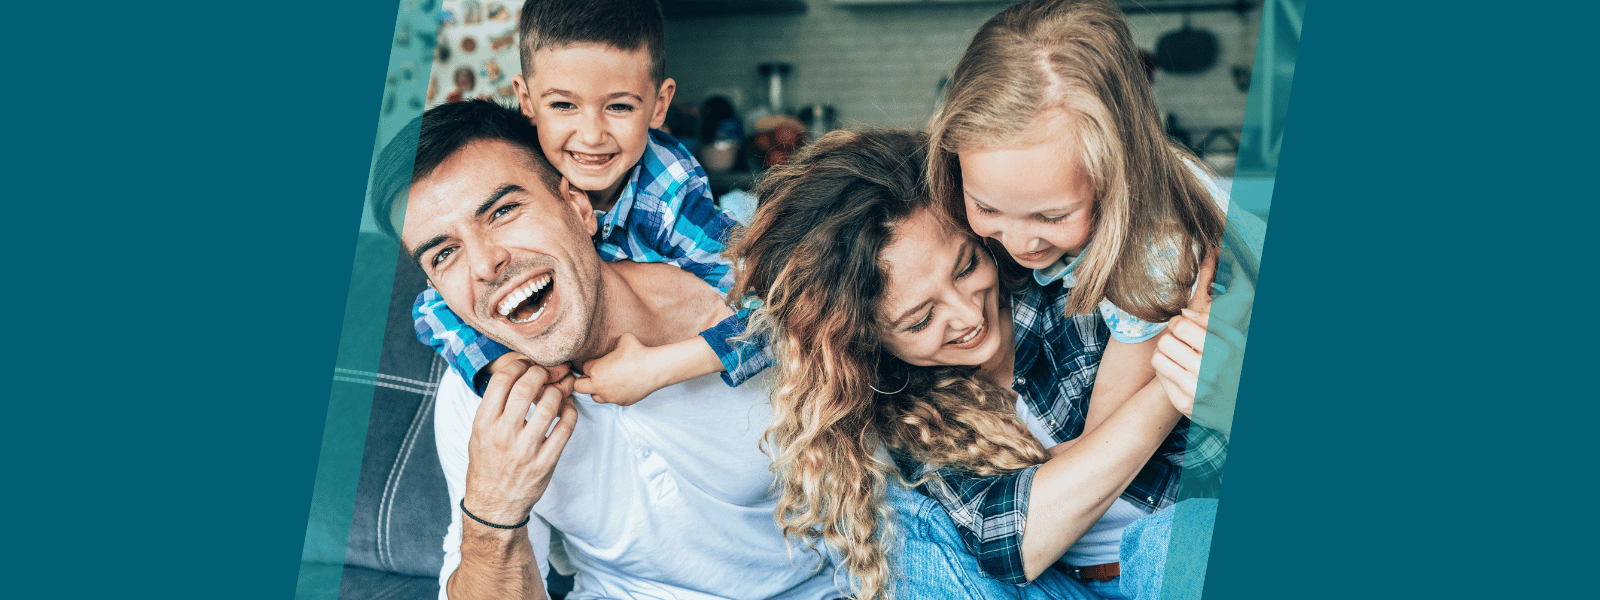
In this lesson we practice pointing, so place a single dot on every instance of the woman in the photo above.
(892, 334)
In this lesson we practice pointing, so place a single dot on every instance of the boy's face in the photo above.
(594, 106)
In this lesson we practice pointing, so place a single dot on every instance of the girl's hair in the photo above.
(1040, 58)
(812, 256)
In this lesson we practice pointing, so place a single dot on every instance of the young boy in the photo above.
(594, 83)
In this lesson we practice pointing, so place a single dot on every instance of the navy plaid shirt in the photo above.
(665, 214)
(1055, 368)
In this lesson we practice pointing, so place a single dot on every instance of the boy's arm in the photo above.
(691, 232)
(467, 351)
(633, 370)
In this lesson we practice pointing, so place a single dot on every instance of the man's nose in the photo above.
(488, 260)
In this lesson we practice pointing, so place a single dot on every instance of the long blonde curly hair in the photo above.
(812, 256)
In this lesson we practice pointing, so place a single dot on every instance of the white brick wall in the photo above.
(881, 65)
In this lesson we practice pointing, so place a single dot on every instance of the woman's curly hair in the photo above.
(812, 257)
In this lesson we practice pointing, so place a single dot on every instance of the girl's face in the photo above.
(1035, 198)
(942, 303)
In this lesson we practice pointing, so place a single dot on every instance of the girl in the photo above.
(1050, 144)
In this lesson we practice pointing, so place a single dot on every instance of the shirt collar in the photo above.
(1061, 270)
(619, 212)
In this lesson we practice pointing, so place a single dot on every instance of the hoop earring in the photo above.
(902, 386)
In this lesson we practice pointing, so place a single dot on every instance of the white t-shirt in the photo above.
(668, 498)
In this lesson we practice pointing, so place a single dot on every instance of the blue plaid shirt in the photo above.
(1056, 362)
(665, 214)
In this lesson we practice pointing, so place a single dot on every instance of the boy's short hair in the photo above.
(626, 25)
(429, 140)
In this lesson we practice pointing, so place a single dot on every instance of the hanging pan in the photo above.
(1187, 50)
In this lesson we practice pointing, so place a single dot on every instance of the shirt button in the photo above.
(1022, 381)
(1151, 499)
(1052, 423)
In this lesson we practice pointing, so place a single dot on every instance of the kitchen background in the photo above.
(839, 63)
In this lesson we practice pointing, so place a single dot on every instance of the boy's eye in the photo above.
(620, 108)
(559, 105)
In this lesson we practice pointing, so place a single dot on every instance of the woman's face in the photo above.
(1035, 198)
(942, 302)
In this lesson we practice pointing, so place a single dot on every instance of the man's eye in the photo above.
(440, 256)
(504, 210)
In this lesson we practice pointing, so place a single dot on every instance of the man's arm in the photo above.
(497, 461)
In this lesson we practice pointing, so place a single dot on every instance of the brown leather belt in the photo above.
(1101, 573)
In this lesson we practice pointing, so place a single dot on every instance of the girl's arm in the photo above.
(1076, 487)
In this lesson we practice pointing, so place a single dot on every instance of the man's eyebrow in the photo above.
(423, 248)
(499, 193)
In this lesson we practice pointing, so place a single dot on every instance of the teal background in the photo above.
(1410, 421)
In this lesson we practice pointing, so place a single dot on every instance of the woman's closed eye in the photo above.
(923, 324)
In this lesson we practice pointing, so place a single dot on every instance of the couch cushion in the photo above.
(402, 506)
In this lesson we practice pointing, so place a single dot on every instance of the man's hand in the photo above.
(512, 454)
(633, 370)
(1181, 346)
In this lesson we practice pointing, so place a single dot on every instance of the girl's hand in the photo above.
(1180, 347)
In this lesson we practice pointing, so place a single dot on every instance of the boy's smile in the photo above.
(594, 106)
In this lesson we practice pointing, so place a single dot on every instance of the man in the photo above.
(665, 498)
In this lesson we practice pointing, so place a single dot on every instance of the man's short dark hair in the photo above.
(626, 25)
(429, 140)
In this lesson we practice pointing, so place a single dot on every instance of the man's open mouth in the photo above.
(590, 160)
(526, 303)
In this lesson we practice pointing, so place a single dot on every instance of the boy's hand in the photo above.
(629, 373)
(633, 370)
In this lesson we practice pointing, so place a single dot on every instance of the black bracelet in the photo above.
(475, 518)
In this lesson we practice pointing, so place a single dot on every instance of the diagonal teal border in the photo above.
(362, 334)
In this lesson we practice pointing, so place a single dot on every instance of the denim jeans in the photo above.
(1164, 554)
(931, 563)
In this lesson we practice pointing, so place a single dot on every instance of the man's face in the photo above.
(594, 106)
(515, 262)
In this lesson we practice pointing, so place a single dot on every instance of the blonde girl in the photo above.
(1050, 144)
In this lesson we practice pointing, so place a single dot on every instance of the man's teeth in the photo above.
(968, 337)
(522, 293)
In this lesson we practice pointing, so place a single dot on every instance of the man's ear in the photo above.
(663, 101)
(578, 201)
(524, 98)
